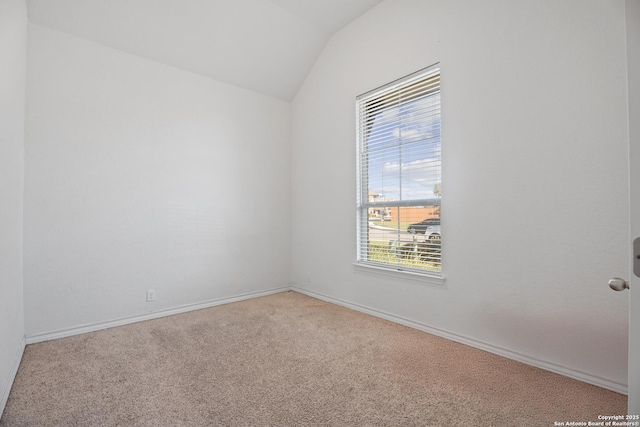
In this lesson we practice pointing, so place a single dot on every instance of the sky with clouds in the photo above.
(404, 155)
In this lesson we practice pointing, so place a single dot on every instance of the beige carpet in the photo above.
(286, 360)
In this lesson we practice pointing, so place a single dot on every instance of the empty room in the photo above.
(319, 212)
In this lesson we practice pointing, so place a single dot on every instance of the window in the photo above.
(399, 174)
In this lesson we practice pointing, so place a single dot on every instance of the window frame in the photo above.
(363, 202)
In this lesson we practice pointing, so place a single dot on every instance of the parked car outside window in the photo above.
(432, 233)
(421, 227)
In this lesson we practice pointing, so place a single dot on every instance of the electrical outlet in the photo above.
(151, 295)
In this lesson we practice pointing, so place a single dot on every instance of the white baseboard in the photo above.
(47, 336)
(509, 354)
(548, 366)
(4, 394)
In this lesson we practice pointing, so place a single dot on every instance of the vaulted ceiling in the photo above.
(267, 46)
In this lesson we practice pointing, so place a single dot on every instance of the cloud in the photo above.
(424, 171)
(415, 179)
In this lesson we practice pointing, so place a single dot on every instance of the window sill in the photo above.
(402, 274)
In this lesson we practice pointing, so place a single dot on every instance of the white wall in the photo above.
(13, 55)
(534, 202)
(141, 176)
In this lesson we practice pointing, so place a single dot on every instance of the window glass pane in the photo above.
(405, 237)
(403, 155)
(400, 175)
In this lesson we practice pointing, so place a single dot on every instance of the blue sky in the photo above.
(404, 158)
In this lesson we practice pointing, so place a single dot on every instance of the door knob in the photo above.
(618, 284)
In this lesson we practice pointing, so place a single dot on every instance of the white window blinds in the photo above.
(399, 174)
